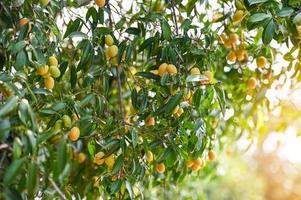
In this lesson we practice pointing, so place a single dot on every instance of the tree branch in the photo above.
(57, 189)
(174, 16)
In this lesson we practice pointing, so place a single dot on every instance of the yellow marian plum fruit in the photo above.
(98, 158)
(74, 134)
(209, 75)
(189, 163)
(261, 62)
(211, 155)
(195, 70)
(149, 156)
(160, 168)
(252, 83)
(110, 160)
(240, 55)
(23, 22)
(233, 38)
(100, 3)
(171, 69)
(109, 40)
(49, 83)
(197, 164)
(150, 121)
(81, 157)
(228, 44)
(44, 2)
(162, 69)
(231, 57)
(42, 70)
(52, 61)
(112, 51)
(238, 16)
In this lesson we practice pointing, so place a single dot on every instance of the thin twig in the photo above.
(174, 16)
(57, 189)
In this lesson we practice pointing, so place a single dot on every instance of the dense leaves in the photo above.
(102, 100)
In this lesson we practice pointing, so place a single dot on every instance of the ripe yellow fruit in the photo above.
(110, 160)
(162, 69)
(52, 61)
(98, 158)
(233, 38)
(160, 168)
(74, 134)
(81, 157)
(189, 163)
(100, 3)
(180, 111)
(209, 75)
(228, 44)
(149, 156)
(211, 155)
(24, 21)
(252, 83)
(231, 57)
(240, 55)
(150, 121)
(112, 51)
(44, 2)
(49, 83)
(171, 69)
(195, 70)
(197, 164)
(261, 62)
(42, 70)
(238, 16)
(109, 40)
(187, 95)
(74, 117)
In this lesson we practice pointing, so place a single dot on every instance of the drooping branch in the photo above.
(57, 189)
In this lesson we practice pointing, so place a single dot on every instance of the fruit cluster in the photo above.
(48, 73)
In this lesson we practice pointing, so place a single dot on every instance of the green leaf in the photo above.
(61, 156)
(268, 32)
(78, 34)
(133, 31)
(252, 2)
(21, 59)
(116, 186)
(166, 30)
(285, 12)
(118, 164)
(257, 17)
(147, 43)
(12, 171)
(297, 19)
(17, 47)
(104, 30)
(4, 129)
(195, 78)
(170, 105)
(87, 99)
(32, 180)
(148, 75)
(10, 105)
(129, 189)
(221, 98)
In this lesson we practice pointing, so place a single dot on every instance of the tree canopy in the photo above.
(102, 98)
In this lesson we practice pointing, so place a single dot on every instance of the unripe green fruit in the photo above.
(58, 125)
(44, 2)
(67, 121)
(54, 71)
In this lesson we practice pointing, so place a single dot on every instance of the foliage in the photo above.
(81, 122)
